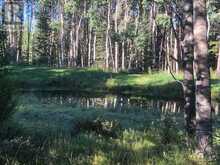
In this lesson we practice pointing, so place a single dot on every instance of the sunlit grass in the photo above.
(141, 79)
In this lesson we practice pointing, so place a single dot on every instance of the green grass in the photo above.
(41, 134)
(158, 85)
(96, 81)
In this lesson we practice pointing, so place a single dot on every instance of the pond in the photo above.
(116, 102)
(67, 122)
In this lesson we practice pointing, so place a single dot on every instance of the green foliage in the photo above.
(41, 42)
(143, 36)
(163, 20)
(71, 6)
(95, 19)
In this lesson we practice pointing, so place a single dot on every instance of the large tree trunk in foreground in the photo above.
(203, 94)
(189, 86)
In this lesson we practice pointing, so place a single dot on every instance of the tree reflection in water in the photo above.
(117, 103)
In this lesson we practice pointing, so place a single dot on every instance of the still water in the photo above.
(115, 102)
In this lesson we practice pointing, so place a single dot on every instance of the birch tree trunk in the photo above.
(116, 31)
(94, 48)
(203, 94)
(89, 51)
(107, 36)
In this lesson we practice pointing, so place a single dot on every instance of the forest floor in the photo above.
(158, 85)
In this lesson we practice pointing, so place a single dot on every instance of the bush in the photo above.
(7, 96)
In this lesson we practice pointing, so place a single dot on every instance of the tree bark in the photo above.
(116, 31)
(153, 29)
(107, 36)
(94, 48)
(123, 56)
(62, 46)
(72, 47)
(203, 94)
(218, 64)
(188, 83)
(89, 51)
(30, 20)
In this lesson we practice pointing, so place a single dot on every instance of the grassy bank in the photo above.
(60, 134)
(160, 84)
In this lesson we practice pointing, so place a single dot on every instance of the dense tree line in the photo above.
(118, 35)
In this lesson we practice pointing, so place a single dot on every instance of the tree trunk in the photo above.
(123, 56)
(19, 36)
(90, 42)
(188, 83)
(51, 49)
(218, 64)
(62, 46)
(116, 31)
(20, 41)
(107, 36)
(175, 54)
(72, 48)
(153, 29)
(124, 40)
(111, 51)
(30, 19)
(203, 94)
(77, 40)
(94, 48)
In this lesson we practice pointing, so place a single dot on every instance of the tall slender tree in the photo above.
(203, 94)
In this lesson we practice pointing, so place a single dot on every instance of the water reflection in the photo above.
(117, 103)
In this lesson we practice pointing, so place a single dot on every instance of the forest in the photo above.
(109, 82)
